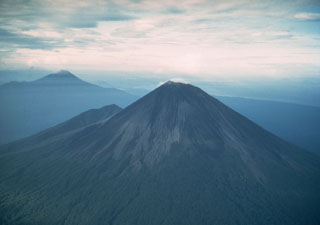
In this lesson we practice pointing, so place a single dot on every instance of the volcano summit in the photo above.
(175, 156)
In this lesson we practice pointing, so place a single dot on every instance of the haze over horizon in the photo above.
(202, 38)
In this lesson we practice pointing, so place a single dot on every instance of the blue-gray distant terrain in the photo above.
(175, 156)
(292, 111)
(29, 107)
(298, 124)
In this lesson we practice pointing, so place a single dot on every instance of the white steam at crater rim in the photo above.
(174, 80)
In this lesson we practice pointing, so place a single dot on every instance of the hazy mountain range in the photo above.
(298, 124)
(175, 156)
(302, 90)
(29, 107)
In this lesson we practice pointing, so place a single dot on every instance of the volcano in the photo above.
(175, 156)
(30, 107)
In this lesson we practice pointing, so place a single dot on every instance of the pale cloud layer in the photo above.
(191, 37)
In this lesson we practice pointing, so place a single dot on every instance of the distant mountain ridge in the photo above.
(175, 156)
(61, 74)
(60, 78)
(84, 119)
(298, 124)
(29, 107)
(74, 124)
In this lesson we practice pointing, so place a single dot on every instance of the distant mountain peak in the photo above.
(173, 81)
(62, 74)
(61, 77)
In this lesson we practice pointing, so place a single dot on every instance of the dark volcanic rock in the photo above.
(176, 156)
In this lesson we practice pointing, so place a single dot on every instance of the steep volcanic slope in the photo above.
(80, 121)
(29, 107)
(176, 156)
(84, 119)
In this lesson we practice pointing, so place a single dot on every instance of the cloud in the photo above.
(190, 37)
(179, 80)
(63, 14)
(15, 40)
(308, 16)
(175, 10)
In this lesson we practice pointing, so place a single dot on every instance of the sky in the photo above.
(197, 38)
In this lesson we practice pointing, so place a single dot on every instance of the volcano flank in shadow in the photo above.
(175, 156)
